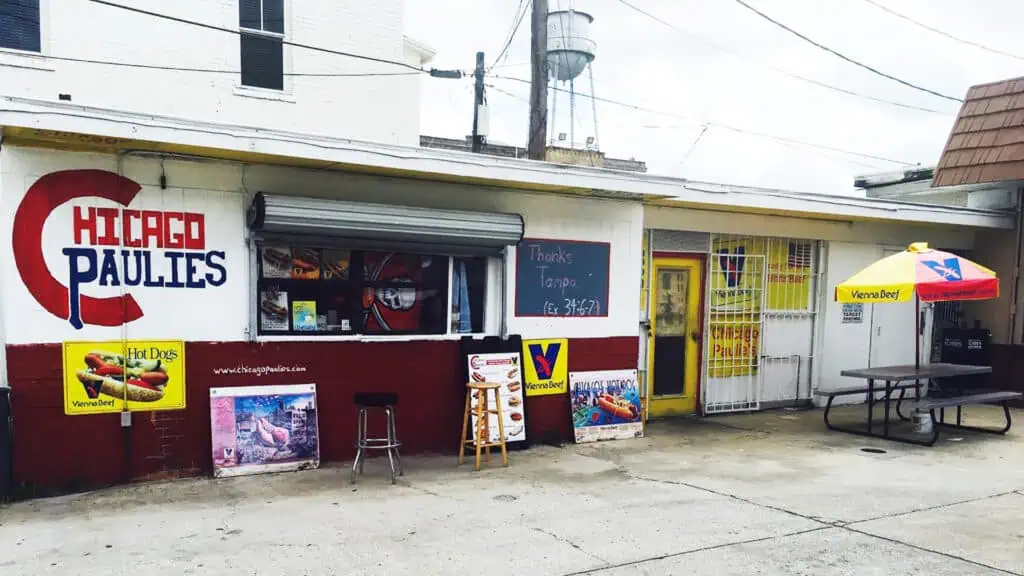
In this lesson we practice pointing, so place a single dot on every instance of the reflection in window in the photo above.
(306, 290)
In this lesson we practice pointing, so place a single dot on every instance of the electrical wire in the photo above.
(218, 71)
(524, 7)
(840, 55)
(884, 8)
(781, 71)
(283, 41)
(706, 126)
(780, 139)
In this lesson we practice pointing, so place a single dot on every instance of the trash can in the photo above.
(5, 444)
(968, 346)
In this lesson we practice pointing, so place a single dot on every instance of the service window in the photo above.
(325, 291)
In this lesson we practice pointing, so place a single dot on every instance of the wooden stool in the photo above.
(482, 435)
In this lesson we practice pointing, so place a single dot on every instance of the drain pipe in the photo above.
(1015, 285)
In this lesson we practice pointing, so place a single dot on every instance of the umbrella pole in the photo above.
(917, 344)
(917, 332)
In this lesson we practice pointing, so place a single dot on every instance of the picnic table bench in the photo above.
(903, 378)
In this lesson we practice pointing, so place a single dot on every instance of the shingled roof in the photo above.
(987, 140)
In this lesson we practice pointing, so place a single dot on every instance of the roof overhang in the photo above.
(426, 53)
(59, 124)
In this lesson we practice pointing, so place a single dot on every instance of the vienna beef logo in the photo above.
(880, 294)
(117, 247)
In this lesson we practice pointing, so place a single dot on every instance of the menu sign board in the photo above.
(502, 369)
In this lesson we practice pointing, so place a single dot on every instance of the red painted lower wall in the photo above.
(56, 453)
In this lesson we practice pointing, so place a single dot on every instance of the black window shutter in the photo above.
(262, 62)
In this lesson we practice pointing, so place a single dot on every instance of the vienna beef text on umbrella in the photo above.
(922, 274)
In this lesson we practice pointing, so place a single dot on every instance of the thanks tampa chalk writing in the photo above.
(544, 260)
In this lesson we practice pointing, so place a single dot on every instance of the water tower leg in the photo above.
(593, 102)
(572, 113)
(552, 133)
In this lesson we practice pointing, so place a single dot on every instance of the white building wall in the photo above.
(221, 189)
(792, 227)
(885, 335)
(843, 346)
(380, 109)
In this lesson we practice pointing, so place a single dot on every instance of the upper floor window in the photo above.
(261, 23)
(19, 25)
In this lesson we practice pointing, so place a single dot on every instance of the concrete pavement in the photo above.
(771, 493)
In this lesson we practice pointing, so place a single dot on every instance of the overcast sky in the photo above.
(647, 64)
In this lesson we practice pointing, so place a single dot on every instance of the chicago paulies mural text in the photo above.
(110, 246)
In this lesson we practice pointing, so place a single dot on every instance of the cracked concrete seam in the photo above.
(931, 551)
(823, 520)
(838, 524)
(935, 507)
(573, 545)
(696, 550)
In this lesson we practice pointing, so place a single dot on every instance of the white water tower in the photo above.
(570, 51)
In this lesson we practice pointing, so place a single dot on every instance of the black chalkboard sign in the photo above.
(562, 278)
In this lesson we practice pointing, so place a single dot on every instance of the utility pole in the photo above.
(478, 101)
(537, 142)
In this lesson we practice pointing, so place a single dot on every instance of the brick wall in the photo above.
(56, 453)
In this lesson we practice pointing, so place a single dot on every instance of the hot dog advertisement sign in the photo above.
(106, 377)
(502, 369)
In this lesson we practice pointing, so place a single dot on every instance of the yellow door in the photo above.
(674, 345)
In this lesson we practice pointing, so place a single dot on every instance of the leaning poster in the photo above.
(605, 405)
(259, 429)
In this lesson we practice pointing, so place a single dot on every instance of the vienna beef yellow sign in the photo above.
(546, 366)
(113, 376)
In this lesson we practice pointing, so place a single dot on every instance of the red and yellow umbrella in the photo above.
(931, 275)
(919, 273)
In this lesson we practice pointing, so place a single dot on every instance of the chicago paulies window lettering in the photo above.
(116, 247)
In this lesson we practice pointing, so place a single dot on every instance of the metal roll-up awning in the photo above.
(321, 222)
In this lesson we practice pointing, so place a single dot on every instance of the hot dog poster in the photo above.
(605, 405)
(112, 376)
(502, 369)
(546, 366)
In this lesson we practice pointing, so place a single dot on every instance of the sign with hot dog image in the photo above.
(502, 369)
(605, 405)
(113, 376)
(296, 263)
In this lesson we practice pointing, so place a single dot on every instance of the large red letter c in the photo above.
(42, 198)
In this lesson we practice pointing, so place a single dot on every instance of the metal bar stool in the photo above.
(482, 433)
(385, 401)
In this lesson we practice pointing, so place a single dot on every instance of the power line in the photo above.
(706, 126)
(840, 55)
(941, 32)
(524, 7)
(219, 71)
(780, 139)
(432, 71)
(740, 56)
